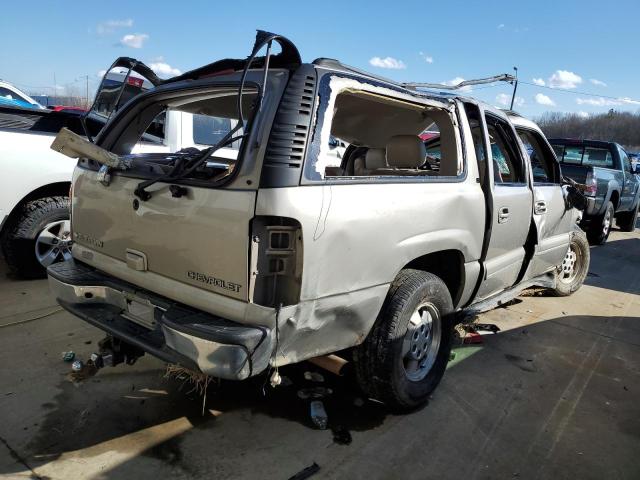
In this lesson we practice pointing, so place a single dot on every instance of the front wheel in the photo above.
(404, 357)
(599, 232)
(570, 275)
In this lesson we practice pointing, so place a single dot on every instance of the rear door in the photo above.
(551, 217)
(193, 231)
(630, 187)
(512, 204)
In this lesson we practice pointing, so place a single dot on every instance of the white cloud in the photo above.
(597, 102)
(388, 62)
(582, 114)
(163, 69)
(540, 82)
(501, 26)
(134, 40)
(101, 73)
(505, 100)
(110, 26)
(598, 83)
(606, 102)
(564, 79)
(544, 100)
(456, 81)
(629, 101)
(427, 58)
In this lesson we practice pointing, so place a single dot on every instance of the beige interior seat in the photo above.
(374, 159)
(404, 154)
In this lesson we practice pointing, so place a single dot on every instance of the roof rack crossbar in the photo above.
(505, 77)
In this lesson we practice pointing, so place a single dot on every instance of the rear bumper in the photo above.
(159, 326)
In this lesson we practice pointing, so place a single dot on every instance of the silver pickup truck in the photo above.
(287, 252)
(612, 185)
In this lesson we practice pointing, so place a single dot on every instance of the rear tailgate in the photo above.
(577, 173)
(200, 239)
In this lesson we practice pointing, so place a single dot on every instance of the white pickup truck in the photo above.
(35, 180)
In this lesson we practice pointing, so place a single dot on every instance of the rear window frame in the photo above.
(322, 99)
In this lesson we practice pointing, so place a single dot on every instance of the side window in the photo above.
(597, 157)
(473, 115)
(387, 136)
(543, 163)
(626, 163)
(507, 164)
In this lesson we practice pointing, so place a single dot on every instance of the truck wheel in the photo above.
(627, 221)
(599, 232)
(571, 273)
(39, 237)
(406, 352)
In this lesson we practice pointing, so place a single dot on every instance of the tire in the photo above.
(385, 365)
(571, 274)
(627, 221)
(599, 232)
(38, 223)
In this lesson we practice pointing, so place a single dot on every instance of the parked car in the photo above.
(635, 162)
(12, 96)
(285, 252)
(612, 188)
(35, 180)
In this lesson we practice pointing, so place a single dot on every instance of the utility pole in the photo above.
(515, 88)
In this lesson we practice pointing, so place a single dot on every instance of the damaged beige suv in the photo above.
(255, 245)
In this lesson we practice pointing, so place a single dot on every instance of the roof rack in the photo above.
(505, 77)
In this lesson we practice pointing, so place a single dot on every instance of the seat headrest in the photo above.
(406, 151)
(375, 158)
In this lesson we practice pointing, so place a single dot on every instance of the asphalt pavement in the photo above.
(555, 394)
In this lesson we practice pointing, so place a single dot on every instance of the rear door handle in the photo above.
(503, 214)
(540, 207)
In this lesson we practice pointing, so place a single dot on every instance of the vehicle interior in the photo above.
(204, 119)
(386, 138)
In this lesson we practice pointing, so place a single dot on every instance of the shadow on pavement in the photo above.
(242, 427)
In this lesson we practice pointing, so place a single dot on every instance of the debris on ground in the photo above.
(68, 356)
(487, 327)
(199, 381)
(318, 414)
(314, 393)
(306, 472)
(81, 371)
(314, 377)
(341, 435)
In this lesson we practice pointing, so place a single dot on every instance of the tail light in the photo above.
(591, 184)
(275, 273)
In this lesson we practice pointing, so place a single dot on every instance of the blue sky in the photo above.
(580, 46)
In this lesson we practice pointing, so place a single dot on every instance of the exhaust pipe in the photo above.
(331, 363)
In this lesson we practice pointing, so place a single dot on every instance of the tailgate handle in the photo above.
(136, 260)
(540, 208)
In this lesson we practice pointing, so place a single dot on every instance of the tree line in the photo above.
(613, 126)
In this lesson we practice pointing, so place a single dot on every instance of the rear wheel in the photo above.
(627, 221)
(599, 231)
(570, 275)
(39, 237)
(405, 355)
